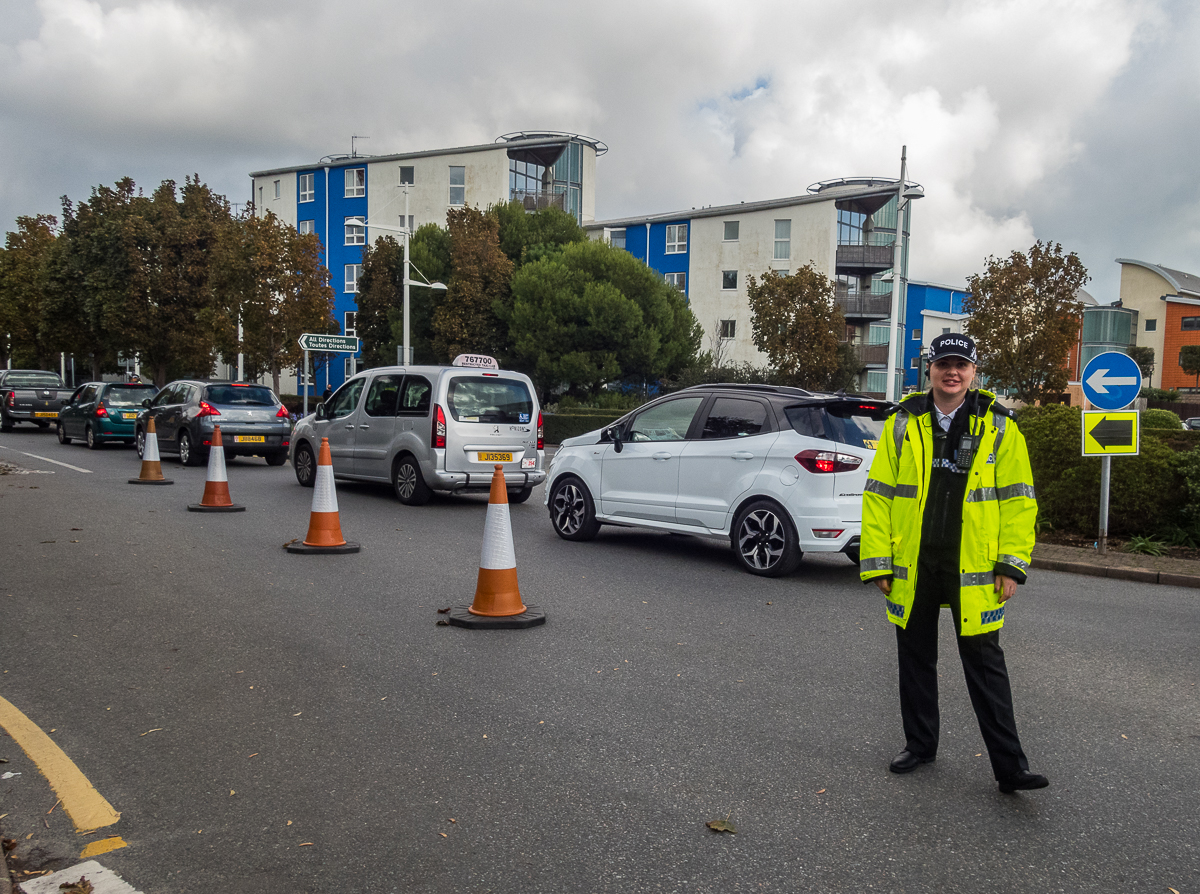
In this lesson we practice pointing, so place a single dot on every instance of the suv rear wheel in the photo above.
(764, 540)
(572, 512)
(409, 483)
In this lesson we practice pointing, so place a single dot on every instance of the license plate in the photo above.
(129, 415)
(495, 457)
(249, 439)
(45, 415)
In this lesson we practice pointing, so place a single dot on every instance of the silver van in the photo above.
(429, 428)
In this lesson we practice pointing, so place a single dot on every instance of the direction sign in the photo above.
(313, 341)
(1111, 434)
(1111, 381)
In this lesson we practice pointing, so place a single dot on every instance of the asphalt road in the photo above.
(316, 731)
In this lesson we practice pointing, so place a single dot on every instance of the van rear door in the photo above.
(491, 418)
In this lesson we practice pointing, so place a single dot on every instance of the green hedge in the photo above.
(560, 426)
(1161, 419)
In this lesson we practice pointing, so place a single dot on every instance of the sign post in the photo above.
(1111, 381)
(314, 341)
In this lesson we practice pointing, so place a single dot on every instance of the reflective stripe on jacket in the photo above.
(999, 509)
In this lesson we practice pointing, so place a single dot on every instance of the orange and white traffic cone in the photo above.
(497, 602)
(324, 528)
(151, 462)
(216, 482)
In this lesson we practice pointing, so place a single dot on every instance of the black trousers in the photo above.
(982, 661)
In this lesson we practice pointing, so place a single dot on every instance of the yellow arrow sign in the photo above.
(1111, 433)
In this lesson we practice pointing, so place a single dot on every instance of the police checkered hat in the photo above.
(951, 345)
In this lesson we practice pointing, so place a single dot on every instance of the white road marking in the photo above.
(104, 880)
(47, 459)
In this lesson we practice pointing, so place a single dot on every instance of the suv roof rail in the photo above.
(770, 389)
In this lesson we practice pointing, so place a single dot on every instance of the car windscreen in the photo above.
(128, 395)
(33, 380)
(846, 422)
(489, 399)
(240, 395)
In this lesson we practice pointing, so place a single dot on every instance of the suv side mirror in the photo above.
(321, 411)
(614, 434)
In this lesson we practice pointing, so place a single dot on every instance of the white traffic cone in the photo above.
(324, 525)
(216, 482)
(151, 462)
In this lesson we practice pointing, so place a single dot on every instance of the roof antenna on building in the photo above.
(353, 137)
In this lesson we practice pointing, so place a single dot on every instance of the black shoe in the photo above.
(1023, 781)
(906, 762)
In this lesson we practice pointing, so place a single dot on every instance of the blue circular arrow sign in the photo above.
(1111, 380)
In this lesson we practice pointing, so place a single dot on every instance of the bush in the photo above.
(1161, 419)
(558, 427)
(1145, 494)
(1159, 394)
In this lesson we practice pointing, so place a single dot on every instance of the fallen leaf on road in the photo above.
(442, 611)
(232, 793)
(83, 886)
(289, 822)
(77, 529)
(253, 755)
(1123, 736)
(290, 542)
(443, 834)
(821, 792)
(297, 714)
(722, 826)
(51, 810)
(49, 541)
(442, 622)
(306, 844)
(1173, 891)
(453, 820)
(149, 731)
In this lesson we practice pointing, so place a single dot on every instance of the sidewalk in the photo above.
(1123, 566)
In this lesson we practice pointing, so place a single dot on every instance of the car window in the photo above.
(33, 380)
(414, 399)
(668, 421)
(165, 396)
(489, 399)
(846, 422)
(240, 395)
(731, 417)
(381, 396)
(127, 395)
(89, 394)
(344, 401)
(78, 395)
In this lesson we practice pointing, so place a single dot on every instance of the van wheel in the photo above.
(572, 512)
(764, 540)
(306, 465)
(409, 483)
(520, 496)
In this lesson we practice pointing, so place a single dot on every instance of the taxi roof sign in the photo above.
(476, 361)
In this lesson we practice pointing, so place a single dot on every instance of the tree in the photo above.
(796, 322)
(470, 319)
(1144, 358)
(1189, 361)
(271, 278)
(24, 277)
(525, 237)
(431, 261)
(590, 314)
(1025, 319)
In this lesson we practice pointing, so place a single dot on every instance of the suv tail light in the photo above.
(207, 409)
(439, 428)
(828, 461)
(283, 413)
(101, 411)
(541, 433)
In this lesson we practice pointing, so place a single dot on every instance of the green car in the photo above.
(102, 411)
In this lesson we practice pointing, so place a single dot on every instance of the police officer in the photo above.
(948, 519)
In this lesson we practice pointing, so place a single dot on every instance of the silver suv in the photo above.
(429, 428)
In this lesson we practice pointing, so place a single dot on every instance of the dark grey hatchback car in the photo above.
(253, 421)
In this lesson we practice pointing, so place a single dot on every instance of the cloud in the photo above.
(701, 102)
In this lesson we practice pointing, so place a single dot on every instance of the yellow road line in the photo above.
(84, 805)
(96, 848)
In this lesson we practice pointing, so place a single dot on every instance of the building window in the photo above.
(876, 382)
(616, 238)
(406, 175)
(783, 240)
(678, 280)
(916, 336)
(676, 239)
(913, 364)
(728, 279)
(1151, 325)
(350, 328)
(945, 330)
(410, 223)
(308, 187)
(1190, 324)
(458, 185)
(356, 182)
(353, 272)
(879, 333)
(356, 231)
(850, 227)
(731, 231)
(306, 226)
(353, 365)
(728, 328)
(276, 189)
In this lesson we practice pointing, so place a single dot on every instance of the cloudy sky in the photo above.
(1068, 120)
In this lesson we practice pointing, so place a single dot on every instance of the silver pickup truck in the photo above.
(30, 395)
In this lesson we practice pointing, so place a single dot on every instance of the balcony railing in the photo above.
(874, 257)
(860, 304)
(537, 201)
(872, 354)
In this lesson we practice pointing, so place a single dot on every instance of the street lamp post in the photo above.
(904, 195)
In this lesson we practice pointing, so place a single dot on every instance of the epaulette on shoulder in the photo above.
(1002, 410)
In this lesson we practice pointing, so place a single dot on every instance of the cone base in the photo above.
(200, 507)
(151, 481)
(340, 549)
(461, 616)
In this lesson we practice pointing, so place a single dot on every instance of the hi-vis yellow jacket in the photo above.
(999, 509)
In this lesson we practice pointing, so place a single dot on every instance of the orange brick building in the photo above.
(1168, 306)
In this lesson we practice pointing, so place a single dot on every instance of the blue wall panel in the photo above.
(921, 297)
